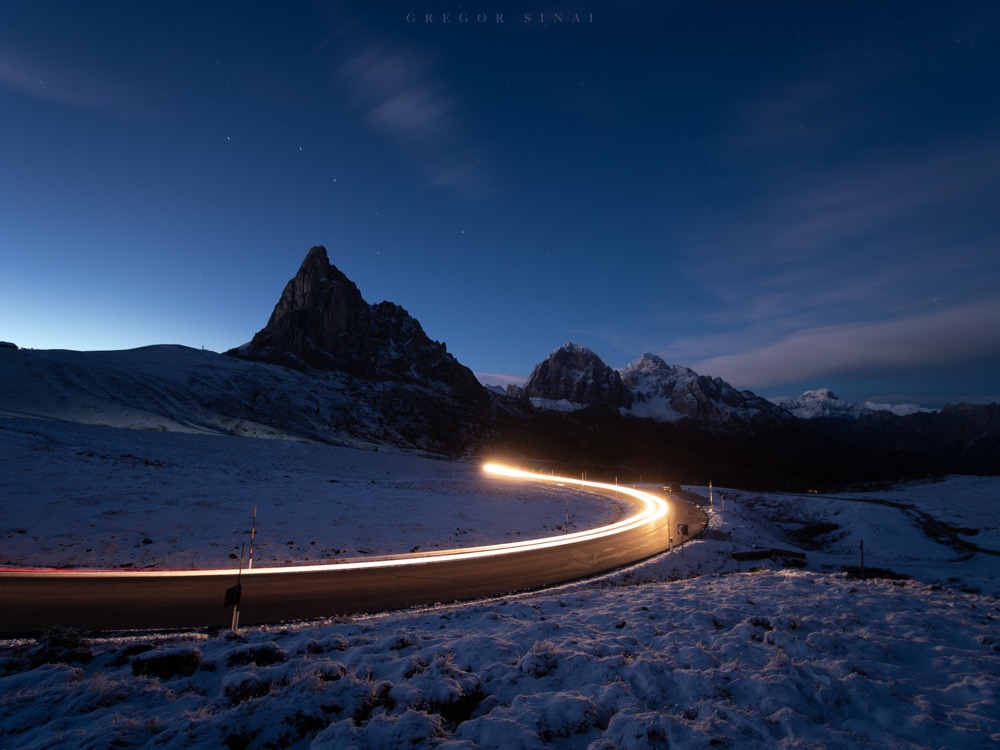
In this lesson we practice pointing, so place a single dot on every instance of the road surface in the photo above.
(34, 600)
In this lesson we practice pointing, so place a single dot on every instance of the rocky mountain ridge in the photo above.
(962, 437)
(824, 403)
(574, 377)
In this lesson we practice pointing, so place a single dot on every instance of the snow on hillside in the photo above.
(170, 388)
(693, 648)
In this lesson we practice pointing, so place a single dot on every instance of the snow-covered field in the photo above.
(80, 495)
(689, 649)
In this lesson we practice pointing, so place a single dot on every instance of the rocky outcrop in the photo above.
(574, 375)
(321, 321)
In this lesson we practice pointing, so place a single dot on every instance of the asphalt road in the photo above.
(124, 600)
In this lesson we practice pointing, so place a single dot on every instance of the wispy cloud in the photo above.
(917, 197)
(882, 265)
(402, 96)
(796, 114)
(60, 83)
(955, 336)
(880, 239)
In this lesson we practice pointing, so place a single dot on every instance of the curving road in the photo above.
(34, 600)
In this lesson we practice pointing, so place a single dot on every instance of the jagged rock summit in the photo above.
(573, 377)
(321, 321)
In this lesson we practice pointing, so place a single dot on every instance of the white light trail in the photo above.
(651, 510)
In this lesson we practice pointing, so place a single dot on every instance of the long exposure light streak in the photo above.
(651, 510)
(115, 599)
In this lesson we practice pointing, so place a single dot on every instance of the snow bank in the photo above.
(759, 660)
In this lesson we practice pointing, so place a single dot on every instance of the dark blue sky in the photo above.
(786, 195)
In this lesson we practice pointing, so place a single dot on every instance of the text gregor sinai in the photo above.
(500, 18)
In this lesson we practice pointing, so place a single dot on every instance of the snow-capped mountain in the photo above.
(823, 403)
(671, 393)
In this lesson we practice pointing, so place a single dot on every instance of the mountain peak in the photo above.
(648, 363)
(653, 365)
(574, 377)
(322, 321)
(316, 254)
(820, 393)
(569, 348)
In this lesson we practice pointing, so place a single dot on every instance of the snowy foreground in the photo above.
(690, 649)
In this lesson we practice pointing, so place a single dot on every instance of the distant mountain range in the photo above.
(574, 377)
(823, 403)
(961, 438)
(329, 366)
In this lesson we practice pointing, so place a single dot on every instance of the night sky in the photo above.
(786, 195)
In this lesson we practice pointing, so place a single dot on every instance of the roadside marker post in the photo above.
(670, 538)
(234, 594)
(253, 530)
